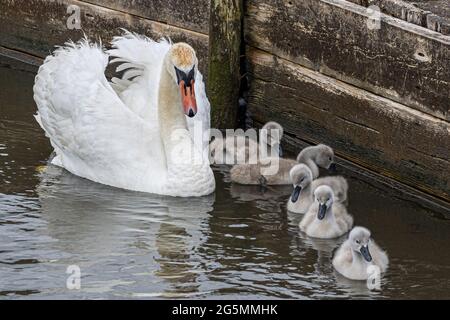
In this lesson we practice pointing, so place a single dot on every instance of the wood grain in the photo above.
(400, 61)
(371, 131)
(36, 26)
(191, 15)
(224, 61)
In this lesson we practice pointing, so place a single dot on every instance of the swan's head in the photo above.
(324, 196)
(301, 177)
(273, 137)
(324, 156)
(181, 63)
(359, 239)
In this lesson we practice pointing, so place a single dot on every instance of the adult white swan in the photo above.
(137, 132)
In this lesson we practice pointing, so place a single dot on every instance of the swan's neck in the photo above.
(170, 113)
(314, 168)
(306, 157)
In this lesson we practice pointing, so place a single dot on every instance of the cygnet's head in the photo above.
(359, 239)
(301, 177)
(324, 196)
(181, 63)
(324, 156)
(271, 135)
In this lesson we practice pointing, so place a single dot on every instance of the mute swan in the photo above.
(302, 196)
(132, 133)
(317, 156)
(313, 156)
(250, 148)
(326, 218)
(357, 253)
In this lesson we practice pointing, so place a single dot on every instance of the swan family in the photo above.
(148, 130)
(322, 201)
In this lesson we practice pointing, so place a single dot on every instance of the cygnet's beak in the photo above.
(296, 193)
(186, 83)
(365, 253)
(333, 167)
(322, 211)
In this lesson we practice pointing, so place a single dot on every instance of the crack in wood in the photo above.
(361, 125)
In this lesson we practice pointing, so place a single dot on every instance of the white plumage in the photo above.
(110, 132)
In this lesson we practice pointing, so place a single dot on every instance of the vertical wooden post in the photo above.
(225, 25)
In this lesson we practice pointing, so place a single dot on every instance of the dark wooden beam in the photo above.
(224, 57)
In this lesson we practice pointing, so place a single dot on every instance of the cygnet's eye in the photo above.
(358, 242)
(302, 179)
(330, 158)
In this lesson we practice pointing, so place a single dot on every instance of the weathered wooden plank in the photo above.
(401, 61)
(224, 61)
(369, 130)
(432, 14)
(399, 9)
(192, 15)
(36, 26)
(19, 61)
(439, 20)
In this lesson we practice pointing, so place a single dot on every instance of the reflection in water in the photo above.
(104, 222)
(239, 243)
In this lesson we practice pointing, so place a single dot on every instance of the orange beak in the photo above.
(188, 98)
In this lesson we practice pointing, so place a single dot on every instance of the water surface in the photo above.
(237, 243)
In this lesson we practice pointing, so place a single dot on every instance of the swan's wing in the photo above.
(343, 256)
(94, 134)
(140, 60)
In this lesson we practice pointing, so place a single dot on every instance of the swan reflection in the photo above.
(101, 224)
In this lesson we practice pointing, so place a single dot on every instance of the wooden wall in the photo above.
(431, 14)
(36, 26)
(381, 98)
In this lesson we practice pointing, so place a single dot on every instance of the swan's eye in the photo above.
(329, 158)
(302, 179)
(358, 242)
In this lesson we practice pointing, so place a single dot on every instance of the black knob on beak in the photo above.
(191, 113)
